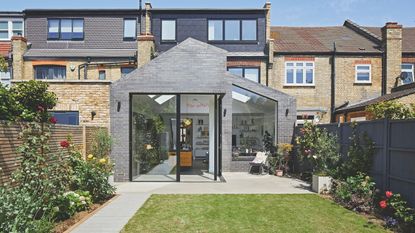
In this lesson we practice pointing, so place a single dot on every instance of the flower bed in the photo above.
(47, 187)
(351, 186)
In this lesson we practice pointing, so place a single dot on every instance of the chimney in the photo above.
(267, 6)
(147, 19)
(19, 48)
(145, 49)
(392, 47)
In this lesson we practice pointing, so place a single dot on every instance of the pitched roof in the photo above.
(5, 48)
(394, 95)
(408, 37)
(320, 39)
(80, 53)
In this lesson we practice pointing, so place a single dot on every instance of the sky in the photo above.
(284, 12)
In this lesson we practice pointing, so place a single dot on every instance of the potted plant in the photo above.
(279, 171)
(321, 150)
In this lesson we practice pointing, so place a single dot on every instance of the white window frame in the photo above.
(175, 30)
(360, 71)
(304, 74)
(10, 27)
(408, 71)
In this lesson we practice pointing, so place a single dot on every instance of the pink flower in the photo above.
(383, 204)
(64, 144)
(40, 108)
(389, 194)
(53, 120)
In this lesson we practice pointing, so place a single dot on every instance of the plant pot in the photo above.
(321, 183)
(279, 172)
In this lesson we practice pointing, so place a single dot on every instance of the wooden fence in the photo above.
(82, 137)
(394, 159)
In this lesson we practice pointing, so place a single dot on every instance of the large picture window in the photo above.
(168, 30)
(50, 72)
(65, 29)
(408, 70)
(253, 116)
(251, 73)
(232, 30)
(299, 73)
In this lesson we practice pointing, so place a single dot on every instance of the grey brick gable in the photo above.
(190, 67)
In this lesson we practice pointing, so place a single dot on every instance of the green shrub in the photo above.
(92, 176)
(101, 144)
(359, 157)
(8, 108)
(319, 148)
(72, 202)
(356, 193)
(391, 110)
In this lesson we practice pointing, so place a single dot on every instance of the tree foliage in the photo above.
(391, 110)
(26, 101)
(3, 64)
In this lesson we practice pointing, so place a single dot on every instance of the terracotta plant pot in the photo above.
(279, 173)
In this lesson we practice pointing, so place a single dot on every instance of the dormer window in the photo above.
(232, 30)
(9, 28)
(65, 29)
(168, 30)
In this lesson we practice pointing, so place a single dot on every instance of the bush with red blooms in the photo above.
(398, 215)
(53, 120)
(64, 144)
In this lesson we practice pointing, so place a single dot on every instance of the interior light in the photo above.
(240, 97)
(151, 96)
(160, 100)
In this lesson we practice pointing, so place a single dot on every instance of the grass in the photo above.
(246, 213)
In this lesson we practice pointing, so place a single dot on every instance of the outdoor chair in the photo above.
(256, 166)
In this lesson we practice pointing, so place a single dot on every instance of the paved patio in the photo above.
(116, 214)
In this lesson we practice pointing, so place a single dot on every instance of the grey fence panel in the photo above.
(394, 157)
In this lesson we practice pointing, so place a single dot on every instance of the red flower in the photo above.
(40, 108)
(389, 194)
(53, 120)
(383, 204)
(64, 144)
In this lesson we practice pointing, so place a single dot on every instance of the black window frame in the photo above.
(48, 66)
(240, 30)
(60, 29)
(161, 30)
(123, 29)
(247, 67)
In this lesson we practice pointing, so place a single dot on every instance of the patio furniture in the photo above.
(256, 166)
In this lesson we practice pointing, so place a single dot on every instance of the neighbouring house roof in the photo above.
(408, 37)
(409, 90)
(5, 48)
(79, 53)
(320, 40)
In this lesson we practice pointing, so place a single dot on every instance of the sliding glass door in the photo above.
(174, 137)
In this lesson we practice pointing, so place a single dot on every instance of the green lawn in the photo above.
(246, 213)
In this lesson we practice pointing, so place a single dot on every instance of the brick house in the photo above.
(11, 24)
(330, 67)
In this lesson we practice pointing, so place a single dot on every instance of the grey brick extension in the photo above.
(190, 67)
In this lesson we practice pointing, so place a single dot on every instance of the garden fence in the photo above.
(82, 137)
(394, 159)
